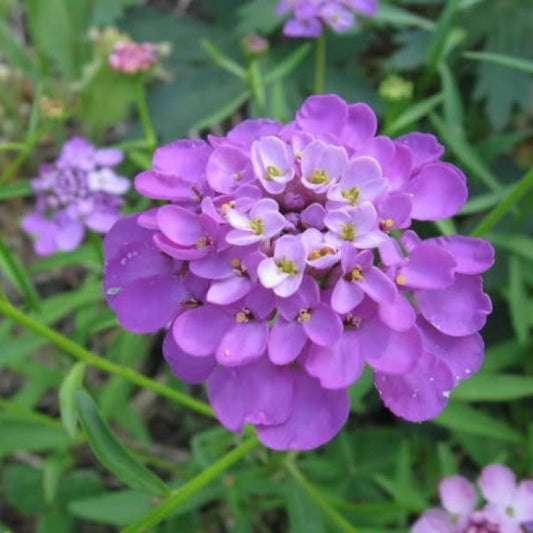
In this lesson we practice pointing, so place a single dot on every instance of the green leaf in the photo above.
(110, 451)
(54, 466)
(56, 522)
(13, 50)
(287, 65)
(396, 16)
(21, 487)
(15, 190)
(117, 508)
(414, 113)
(460, 417)
(67, 401)
(518, 300)
(304, 515)
(494, 388)
(222, 60)
(258, 16)
(16, 273)
(521, 245)
(445, 23)
(86, 256)
(20, 434)
(503, 60)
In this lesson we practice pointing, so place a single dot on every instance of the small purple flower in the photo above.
(132, 58)
(80, 189)
(308, 17)
(508, 508)
(275, 268)
(283, 272)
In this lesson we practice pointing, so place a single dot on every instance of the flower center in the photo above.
(244, 315)
(257, 226)
(319, 176)
(348, 231)
(352, 195)
(352, 321)
(356, 274)
(386, 224)
(287, 266)
(304, 315)
(320, 252)
(238, 267)
(273, 172)
(203, 241)
(401, 280)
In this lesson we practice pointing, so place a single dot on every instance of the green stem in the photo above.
(320, 64)
(186, 491)
(521, 188)
(29, 414)
(144, 115)
(81, 353)
(341, 523)
(257, 88)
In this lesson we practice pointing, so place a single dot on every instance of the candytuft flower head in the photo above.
(308, 18)
(132, 58)
(507, 506)
(80, 189)
(283, 262)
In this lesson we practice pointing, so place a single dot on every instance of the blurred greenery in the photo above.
(91, 446)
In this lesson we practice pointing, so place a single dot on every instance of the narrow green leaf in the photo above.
(518, 300)
(54, 465)
(495, 388)
(444, 26)
(521, 245)
(484, 201)
(15, 190)
(397, 16)
(501, 59)
(112, 453)
(466, 154)
(460, 417)
(447, 460)
(414, 113)
(288, 64)
(453, 106)
(222, 113)
(222, 60)
(17, 275)
(67, 400)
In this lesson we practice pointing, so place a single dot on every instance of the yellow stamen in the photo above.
(401, 280)
(304, 315)
(320, 252)
(352, 195)
(287, 266)
(319, 176)
(257, 226)
(202, 242)
(273, 172)
(348, 232)
(356, 274)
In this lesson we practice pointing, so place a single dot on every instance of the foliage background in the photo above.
(468, 69)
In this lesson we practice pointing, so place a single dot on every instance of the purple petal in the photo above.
(439, 191)
(108, 157)
(43, 232)
(498, 484)
(317, 415)
(337, 366)
(180, 225)
(101, 221)
(473, 256)
(185, 158)
(243, 343)
(457, 495)
(459, 310)
(378, 286)
(523, 502)
(420, 394)
(227, 168)
(245, 133)
(395, 211)
(146, 304)
(199, 331)
(322, 114)
(360, 126)
(69, 234)
(186, 367)
(303, 28)
(346, 295)
(324, 327)
(286, 341)
(229, 290)
(427, 267)
(434, 521)
(163, 186)
(424, 148)
(399, 314)
(256, 393)
(386, 350)
(463, 355)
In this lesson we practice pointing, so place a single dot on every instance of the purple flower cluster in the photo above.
(131, 58)
(310, 17)
(283, 263)
(80, 189)
(508, 506)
